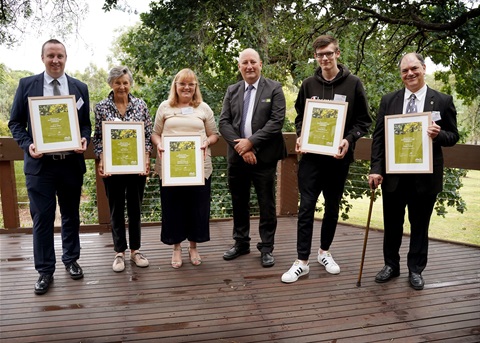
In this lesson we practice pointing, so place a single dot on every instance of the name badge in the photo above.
(187, 110)
(339, 97)
(436, 116)
(80, 103)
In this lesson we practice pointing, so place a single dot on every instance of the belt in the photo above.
(59, 155)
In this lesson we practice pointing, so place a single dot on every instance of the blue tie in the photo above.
(412, 106)
(246, 103)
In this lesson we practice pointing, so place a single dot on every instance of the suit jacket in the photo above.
(20, 124)
(393, 104)
(267, 121)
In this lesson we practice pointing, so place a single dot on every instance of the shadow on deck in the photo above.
(239, 301)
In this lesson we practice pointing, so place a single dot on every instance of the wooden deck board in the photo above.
(239, 301)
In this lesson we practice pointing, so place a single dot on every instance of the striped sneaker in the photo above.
(296, 270)
(326, 260)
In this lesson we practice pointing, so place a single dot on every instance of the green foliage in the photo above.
(450, 195)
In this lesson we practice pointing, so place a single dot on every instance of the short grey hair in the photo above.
(117, 72)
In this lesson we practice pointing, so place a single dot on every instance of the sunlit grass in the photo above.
(458, 227)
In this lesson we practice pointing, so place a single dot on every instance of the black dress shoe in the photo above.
(235, 251)
(267, 259)
(43, 283)
(416, 281)
(386, 274)
(75, 270)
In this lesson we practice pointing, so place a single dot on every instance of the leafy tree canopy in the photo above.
(207, 36)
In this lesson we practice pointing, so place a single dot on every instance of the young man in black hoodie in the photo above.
(321, 173)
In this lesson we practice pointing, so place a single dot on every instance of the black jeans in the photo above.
(317, 174)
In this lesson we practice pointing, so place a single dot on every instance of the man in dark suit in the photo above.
(251, 122)
(51, 175)
(417, 192)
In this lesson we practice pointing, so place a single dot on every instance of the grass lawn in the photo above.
(457, 227)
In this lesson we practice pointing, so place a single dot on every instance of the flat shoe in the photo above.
(196, 261)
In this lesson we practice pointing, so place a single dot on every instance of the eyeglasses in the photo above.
(328, 54)
(183, 84)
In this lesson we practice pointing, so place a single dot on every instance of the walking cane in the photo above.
(372, 197)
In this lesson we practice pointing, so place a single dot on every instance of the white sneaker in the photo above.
(139, 259)
(119, 263)
(296, 270)
(326, 259)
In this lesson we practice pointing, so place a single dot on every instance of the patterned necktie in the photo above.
(412, 106)
(246, 103)
(56, 89)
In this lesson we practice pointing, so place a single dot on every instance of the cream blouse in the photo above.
(170, 120)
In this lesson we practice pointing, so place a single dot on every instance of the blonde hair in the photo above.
(183, 75)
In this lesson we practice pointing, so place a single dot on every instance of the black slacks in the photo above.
(240, 178)
(129, 188)
(420, 208)
(60, 179)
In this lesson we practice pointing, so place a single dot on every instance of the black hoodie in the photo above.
(346, 84)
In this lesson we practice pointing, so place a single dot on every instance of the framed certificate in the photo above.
(408, 148)
(182, 160)
(323, 125)
(54, 122)
(123, 147)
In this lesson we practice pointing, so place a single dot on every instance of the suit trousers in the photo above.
(317, 174)
(129, 188)
(60, 179)
(240, 178)
(420, 208)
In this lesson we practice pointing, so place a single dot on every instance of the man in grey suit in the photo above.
(52, 175)
(417, 192)
(251, 122)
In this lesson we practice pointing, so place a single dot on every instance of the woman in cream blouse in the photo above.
(185, 209)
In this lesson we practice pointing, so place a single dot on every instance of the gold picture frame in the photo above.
(182, 160)
(408, 148)
(123, 147)
(323, 125)
(54, 123)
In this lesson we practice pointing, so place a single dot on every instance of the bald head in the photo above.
(250, 65)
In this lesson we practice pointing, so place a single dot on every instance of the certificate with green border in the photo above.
(323, 125)
(54, 122)
(123, 147)
(182, 160)
(408, 148)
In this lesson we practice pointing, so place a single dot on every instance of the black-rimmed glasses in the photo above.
(328, 54)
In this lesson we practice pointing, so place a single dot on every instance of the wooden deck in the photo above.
(239, 301)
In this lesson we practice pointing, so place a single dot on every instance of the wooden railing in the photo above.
(459, 156)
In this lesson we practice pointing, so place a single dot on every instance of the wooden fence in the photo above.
(459, 156)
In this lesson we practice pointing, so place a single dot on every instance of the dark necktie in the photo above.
(246, 103)
(56, 89)
(412, 106)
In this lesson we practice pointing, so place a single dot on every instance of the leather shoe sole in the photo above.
(43, 284)
(267, 260)
(386, 274)
(235, 252)
(416, 281)
(74, 270)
